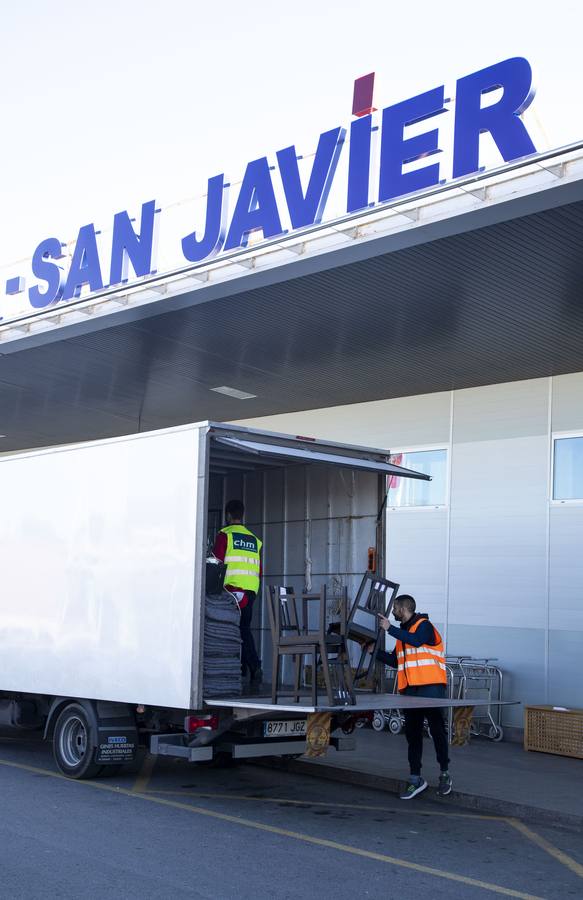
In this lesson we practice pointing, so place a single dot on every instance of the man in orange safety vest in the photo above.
(419, 658)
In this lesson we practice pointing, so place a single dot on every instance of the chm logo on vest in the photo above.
(244, 542)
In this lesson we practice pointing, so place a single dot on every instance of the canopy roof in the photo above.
(483, 295)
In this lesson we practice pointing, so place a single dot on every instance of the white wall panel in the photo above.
(565, 654)
(417, 557)
(499, 506)
(566, 569)
(499, 532)
(403, 422)
(502, 411)
(519, 653)
(568, 402)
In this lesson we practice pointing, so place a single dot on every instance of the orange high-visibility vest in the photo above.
(417, 666)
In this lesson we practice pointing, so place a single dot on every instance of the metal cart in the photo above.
(393, 719)
(479, 679)
(467, 678)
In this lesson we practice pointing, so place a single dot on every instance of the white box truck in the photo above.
(102, 555)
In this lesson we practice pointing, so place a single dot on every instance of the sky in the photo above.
(107, 105)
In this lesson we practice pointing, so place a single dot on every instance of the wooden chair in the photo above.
(292, 635)
(375, 595)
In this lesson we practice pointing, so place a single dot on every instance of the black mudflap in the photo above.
(117, 734)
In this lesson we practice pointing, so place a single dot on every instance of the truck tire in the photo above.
(73, 748)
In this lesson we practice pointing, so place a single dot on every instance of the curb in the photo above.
(474, 802)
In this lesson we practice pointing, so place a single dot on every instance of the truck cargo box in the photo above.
(103, 548)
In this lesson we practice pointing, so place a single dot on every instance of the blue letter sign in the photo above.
(359, 164)
(501, 119)
(85, 267)
(49, 271)
(396, 149)
(403, 142)
(127, 246)
(308, 209)
(195, 249)
(256, 207)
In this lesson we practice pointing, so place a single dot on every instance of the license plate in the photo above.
(285, 728)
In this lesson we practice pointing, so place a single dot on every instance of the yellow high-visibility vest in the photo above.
(243, 558)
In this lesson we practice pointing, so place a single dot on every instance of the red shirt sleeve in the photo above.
(220, 548)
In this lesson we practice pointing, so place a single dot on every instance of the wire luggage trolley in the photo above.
(478, 679)
(394, 720)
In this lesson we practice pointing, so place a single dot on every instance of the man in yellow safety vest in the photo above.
(419, 658)
(240, 550)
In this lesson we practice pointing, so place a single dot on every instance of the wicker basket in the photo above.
(550, 730)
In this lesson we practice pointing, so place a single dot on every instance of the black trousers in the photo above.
(249, 659)
(414, 720)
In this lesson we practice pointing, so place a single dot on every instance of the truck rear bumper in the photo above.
(174, 745)
(263, 748)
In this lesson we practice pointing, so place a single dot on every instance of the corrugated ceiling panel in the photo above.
(494, 304)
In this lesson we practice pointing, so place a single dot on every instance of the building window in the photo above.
(568, 468)
(405, 492)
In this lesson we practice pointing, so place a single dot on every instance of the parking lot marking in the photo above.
(282, 832)
(143, 779)
(209, 795)
(542, 842)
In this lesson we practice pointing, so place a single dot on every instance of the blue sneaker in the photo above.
(415, 786)
(445, 784)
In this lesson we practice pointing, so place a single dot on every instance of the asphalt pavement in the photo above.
(248, 832)
(497, 778)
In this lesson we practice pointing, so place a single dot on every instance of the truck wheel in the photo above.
(72, 747)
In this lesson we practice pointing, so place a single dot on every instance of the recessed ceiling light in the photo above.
(233, 392)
